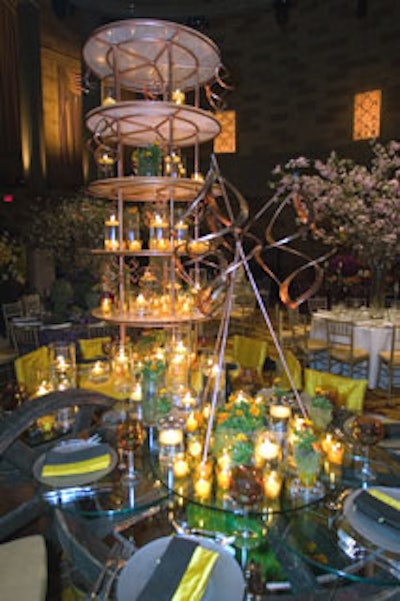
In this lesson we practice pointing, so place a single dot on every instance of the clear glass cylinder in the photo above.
(159, 238)
(111, 233)
(132, 231)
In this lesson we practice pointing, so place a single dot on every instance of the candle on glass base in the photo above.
(180, 466)
(335, 453)
(191, 423)
(98, 372)
(194, 447)
(223, 478)
(202, 484)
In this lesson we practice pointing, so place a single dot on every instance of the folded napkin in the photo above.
(181, 574)
(379, 506)
(90, 458)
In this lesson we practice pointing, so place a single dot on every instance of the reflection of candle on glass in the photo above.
(272, 484)
(223, 479)
(224, 460)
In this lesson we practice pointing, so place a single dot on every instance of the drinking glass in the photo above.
(368, 431)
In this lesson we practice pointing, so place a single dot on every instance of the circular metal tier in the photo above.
(144, 122)
(154, 56)
(146, 189)
(136, 321)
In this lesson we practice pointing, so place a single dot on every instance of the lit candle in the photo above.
(178, 96)
(326, 443)
(181, 466)
(44, 388)
(135, 245)
(191, 423)
(224, 460)
(280, 411)
(136, 394)
(266, 450)
(224, 479)
(272, 484)
(106, 305)
(202, 483)
(171, 437)
(336, 453)
(140, 304)
(194, 447)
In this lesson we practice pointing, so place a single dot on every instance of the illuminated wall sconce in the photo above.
(367, 115)
(225, 142)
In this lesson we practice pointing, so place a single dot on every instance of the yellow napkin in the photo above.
(84, 460)
(93, 347)
(29, 366)
(350, 392)
(194, 580)
(73, 469)
(387, 499)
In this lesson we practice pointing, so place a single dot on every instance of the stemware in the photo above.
(368, 431)
(130, 436)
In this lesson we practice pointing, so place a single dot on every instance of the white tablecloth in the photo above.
(372, 335)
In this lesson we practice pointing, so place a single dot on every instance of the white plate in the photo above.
(76, 479)
(226, 582)
(381, 535)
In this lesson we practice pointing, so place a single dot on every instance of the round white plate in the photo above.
(226, 582)
(76, 479)
(381, 535)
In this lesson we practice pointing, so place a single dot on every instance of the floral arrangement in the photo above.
(153, 369)
(307, 451)
(346, 204)
(320, 411)
(240, 413)
(12, 259)
(147, 161)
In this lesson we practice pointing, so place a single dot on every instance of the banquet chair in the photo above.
(311, 352)
(344, 357)
(389, 363)
(93, 348)
(9, 311)
(345, 392)
(25, 338)
(32, 304)
(250, 353)
(32, 368)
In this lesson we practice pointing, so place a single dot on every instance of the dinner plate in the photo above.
(226, 582)
(76, 479)
(381, 535)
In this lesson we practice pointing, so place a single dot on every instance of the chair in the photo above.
(93, 348)
(389, 363)
(343, 355)
(317, 302)
(32, 304)
(311, 352)
(25, 338)
(347, 392)
(9, 311)
(250, 353)
(23, 566)
(32, 368)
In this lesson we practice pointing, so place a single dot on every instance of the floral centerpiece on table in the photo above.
(307, 455)
(348, 205)
(236, 423)
(319, 410)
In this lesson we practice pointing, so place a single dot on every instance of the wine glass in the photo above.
(246, 489)
(130, 436)
(367, 430)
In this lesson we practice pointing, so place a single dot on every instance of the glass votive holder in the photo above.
(121, 367)
(194, 447)
(99, 372)
(111, 236)
(62, 365)
(181, 466)
(267, 449)
(159, 238)
(202, 480)
(170, 438)
(272, 483)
